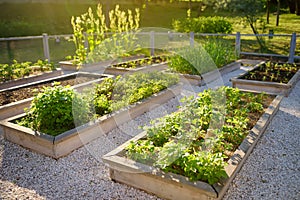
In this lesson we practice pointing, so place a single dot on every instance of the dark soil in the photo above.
(280, 73)
(10, 96)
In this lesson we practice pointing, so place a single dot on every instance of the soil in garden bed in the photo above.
(272, 72)
(18, 94)
(141, 62)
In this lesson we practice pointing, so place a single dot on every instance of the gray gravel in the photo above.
(272, 171)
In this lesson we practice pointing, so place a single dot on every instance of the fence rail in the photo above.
(238, 42)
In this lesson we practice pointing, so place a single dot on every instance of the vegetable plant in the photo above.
(113, 94)
(185, 143)
(59, 108)
(142, 62)
(18, 70)
(273, 72)
(52, 110)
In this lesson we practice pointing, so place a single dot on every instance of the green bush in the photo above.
(52, 110)
(203, 25)
(203, 58)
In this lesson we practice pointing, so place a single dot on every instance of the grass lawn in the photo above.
(36, 18)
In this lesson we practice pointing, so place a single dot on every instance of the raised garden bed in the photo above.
(268, 77)
(19, 73)
(128, 67)
(13, 100)
(209, 76)
(168, 185)
(70, 66)
(157, 63)
(30, 79)
(58, 145)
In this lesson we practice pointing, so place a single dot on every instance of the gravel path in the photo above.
(82, 174)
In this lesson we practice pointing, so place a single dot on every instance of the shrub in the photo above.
(203, 25)
(52, 110)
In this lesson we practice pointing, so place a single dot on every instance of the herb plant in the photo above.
(52, 110)
(184, 143)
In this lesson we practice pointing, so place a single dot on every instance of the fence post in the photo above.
(192, 39)
(152, 43)
(238, 44)
(292, 48)
(46, 46)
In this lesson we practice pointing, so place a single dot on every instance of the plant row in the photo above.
(273, 72)
(197, 140)
(58, 109)
(142, 62)
(18, 70)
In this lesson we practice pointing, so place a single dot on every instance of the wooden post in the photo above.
(192, 39)
(238, 44)
(292, 48)
(46, 46)
(9, 51)
(152, 43)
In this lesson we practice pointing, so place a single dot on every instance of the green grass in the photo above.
(24, 19)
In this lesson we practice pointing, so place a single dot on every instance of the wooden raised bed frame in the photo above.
(69, 66)
(265, 86)
(16, 108)
(30, 79)
(173, 186)
(66, 142)
(209, 76)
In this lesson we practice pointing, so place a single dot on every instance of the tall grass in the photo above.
(212, 54)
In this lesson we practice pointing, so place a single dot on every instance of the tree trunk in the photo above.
(297, 7)
(278, 12)
(292, 6)
(261, 45)
(268, 11)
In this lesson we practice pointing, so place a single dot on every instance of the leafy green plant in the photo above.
(142, 62)
(203, 25)
(184, 143)
(19, 70)
(52, 110)
(274, 72)
(113, 94)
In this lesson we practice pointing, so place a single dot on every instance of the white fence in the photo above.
(152, 37)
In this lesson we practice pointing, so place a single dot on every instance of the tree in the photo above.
(268, 10)
(248, 9)
(297, 7)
